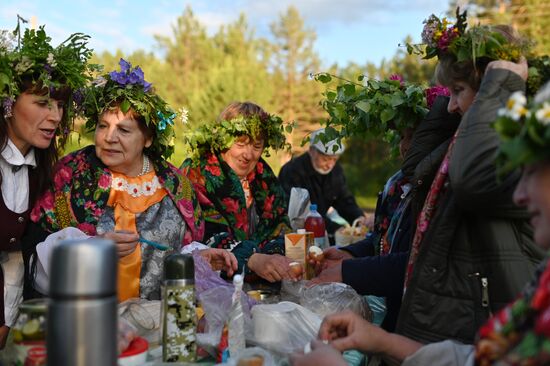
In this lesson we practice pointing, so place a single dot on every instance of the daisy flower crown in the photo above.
(217, 136)
(29, 57)
(442, 37)
(129, 90)
(524, 128)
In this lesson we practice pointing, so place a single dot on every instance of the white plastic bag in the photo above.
(298, 207)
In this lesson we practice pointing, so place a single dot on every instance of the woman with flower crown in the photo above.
(123, 188)
(37, 109)
(520, 333)
(243, 202)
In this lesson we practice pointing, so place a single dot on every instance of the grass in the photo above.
(367, 203)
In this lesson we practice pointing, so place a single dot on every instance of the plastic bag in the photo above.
(126, 333)
(298, 207)
(329, 298)
(144, 316)
(284, 327)
(292, 290)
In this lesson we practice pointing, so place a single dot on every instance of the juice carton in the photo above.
(296, 248)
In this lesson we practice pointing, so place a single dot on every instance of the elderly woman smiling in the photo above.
(124, 189)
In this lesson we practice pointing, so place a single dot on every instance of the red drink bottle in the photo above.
(315, 224)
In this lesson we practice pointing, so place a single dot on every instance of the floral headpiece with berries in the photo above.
(217, 136)
(441, 37)
(30, 58)
(524, 129)
(128, 90)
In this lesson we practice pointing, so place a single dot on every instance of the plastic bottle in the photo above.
(315, 224)
(236, 320)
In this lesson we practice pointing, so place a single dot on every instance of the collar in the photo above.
(13, 156)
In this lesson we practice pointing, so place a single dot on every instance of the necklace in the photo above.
(145, 168)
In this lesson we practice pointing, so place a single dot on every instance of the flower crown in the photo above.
(217, 136)
(128, 89)
(441, 37)
(378, 109)
(31, 58)
(524, 129)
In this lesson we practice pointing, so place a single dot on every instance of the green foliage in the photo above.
(220, 135)
(378, 109)
(50, 68)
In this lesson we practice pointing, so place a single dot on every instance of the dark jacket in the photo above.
(384, 275)
(478, 251)
(324, 190)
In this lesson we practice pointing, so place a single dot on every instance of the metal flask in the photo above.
(82, 312)
(179, 321)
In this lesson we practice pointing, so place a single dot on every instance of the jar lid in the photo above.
(137, 345)
(34, 306)
(179, 266)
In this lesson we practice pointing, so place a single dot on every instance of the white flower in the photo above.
(515, 107)
(51, 60)
(99, 82)
(23, 65)
(543, 114)
(184, 115)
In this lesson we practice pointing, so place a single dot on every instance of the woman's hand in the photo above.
(331, 274)
(519, 68)
(272, 267)
(321, 355)
(220, 260)
(347, 330)
(331, 257)
(125, 241)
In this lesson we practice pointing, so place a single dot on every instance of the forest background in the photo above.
(203, 72)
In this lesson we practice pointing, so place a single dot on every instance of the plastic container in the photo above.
(135, 354)
(315, 224)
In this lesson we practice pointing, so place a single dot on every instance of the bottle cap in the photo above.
(301, 231)
(83, 268)
(237, 279)
(313, 207)
(179, 267)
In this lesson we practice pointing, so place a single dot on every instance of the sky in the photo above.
(356, 31)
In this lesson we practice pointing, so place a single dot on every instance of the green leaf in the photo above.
(125, 106)
(363, 105)
(324, 78)
(387, 115)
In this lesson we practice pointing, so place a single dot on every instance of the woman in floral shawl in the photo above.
(243, 203)
(123, 188)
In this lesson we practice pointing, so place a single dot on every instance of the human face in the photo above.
(533, 193)
(462, 97)
(34, 121)
(322, 163)
(243, 155)
(119, 143)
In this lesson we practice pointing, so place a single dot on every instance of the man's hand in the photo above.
(220, 260)
(272, 267)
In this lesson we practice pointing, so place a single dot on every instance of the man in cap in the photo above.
(318, 171)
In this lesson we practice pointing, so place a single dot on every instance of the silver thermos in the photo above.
(82, 311)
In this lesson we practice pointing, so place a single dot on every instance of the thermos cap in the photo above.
(179, 267)
(83, 268)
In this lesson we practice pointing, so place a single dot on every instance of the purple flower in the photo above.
(396, 77)
(78, 97)
(146, 86)
(124, 65)
(48, 68)
(136, 76)
(7, 104)
(119, 77)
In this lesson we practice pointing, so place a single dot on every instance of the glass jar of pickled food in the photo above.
(29, 333)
